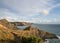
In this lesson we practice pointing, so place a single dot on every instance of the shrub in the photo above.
(31, 39)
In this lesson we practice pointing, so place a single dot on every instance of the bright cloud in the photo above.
(45, 12)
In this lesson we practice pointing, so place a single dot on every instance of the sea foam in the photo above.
(58, 37)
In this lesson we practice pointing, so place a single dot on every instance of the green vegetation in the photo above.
(31, 39)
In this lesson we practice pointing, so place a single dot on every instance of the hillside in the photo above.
(5, 23)
(28, 35)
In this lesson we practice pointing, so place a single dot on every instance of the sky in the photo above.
(34, 11)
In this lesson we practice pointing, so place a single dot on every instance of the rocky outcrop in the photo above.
(14, 36)
(7, 24)
(28, 35)
(40, 33)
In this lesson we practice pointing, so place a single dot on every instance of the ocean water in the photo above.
(22, 27)
(53, 41)
(52, 28)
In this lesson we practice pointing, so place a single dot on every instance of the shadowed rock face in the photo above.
(8, 35)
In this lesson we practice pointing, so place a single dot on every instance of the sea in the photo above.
(52, 28)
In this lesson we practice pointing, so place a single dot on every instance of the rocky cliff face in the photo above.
(32, 34)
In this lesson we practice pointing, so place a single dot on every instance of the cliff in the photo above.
(28, 35)
(40, 33)
(21, 23)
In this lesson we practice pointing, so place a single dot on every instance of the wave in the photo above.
(58, 37)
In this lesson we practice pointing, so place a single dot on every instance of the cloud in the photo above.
(27, 9)
(45, 12)
(50, 8)
(50, 21)
(6, 14)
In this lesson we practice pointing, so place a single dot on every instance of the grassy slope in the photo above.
(22, 35)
